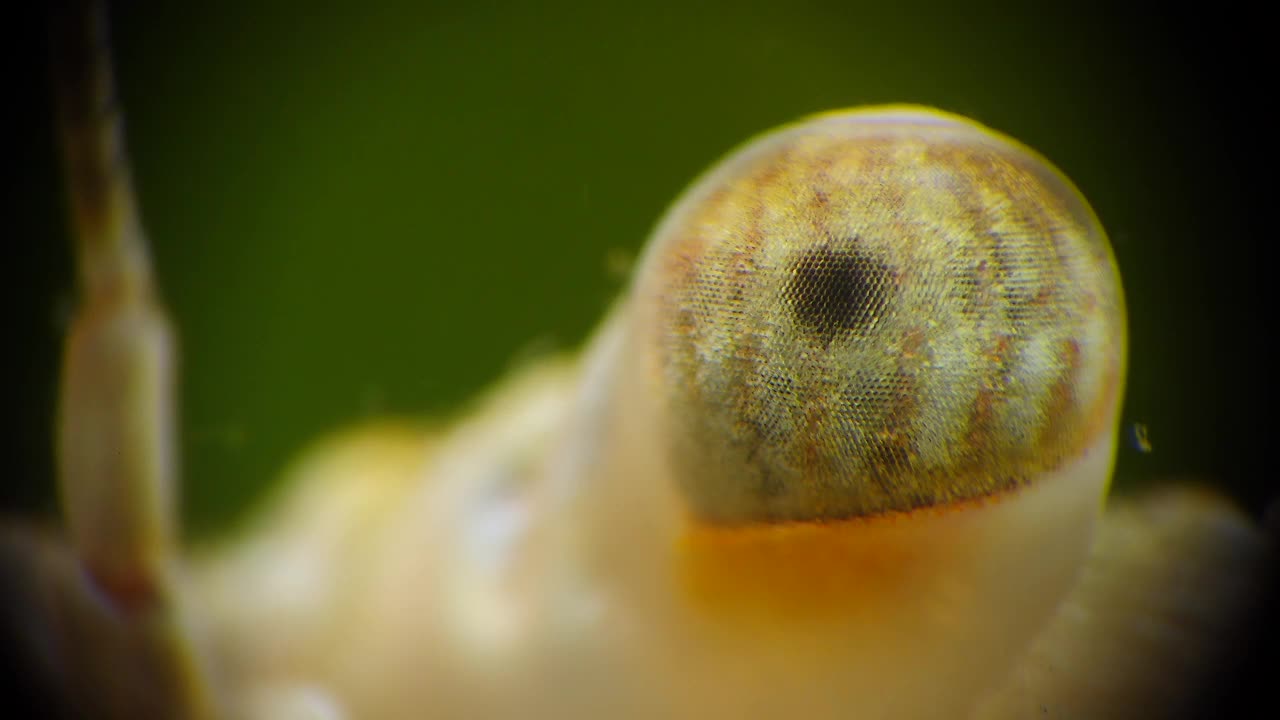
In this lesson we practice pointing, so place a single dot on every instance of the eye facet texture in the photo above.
(878, 311)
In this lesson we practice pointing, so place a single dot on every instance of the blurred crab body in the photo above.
(376, 544)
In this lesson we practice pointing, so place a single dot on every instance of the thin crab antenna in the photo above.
(110, 245)
(116, 446)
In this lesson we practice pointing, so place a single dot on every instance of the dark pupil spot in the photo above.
(837, 291)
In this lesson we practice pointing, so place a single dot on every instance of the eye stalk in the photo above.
(876, 312)
(849, 434)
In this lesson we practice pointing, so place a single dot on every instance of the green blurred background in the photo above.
(371, 211)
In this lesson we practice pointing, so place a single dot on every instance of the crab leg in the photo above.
(116, 448)
(115, 444)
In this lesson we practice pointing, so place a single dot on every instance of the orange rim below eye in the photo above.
(818, 570)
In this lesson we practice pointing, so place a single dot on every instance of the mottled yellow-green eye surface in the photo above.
(880, 310)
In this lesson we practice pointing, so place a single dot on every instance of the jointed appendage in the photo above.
(115, 449)
(118, 628)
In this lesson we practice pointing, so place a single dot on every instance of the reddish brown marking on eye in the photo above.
(816, 414)
(982, 418)
(768, 173)
(1046, 296)
(683, 262)
(1071, 353)
(1059, 432)
(683, 266)
(746, 361)
(685, 323)
(999, 354)
(912, 343)
(1090, 303)
(743, 269)
(892, 449)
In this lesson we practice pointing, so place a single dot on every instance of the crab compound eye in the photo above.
(879, 311)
